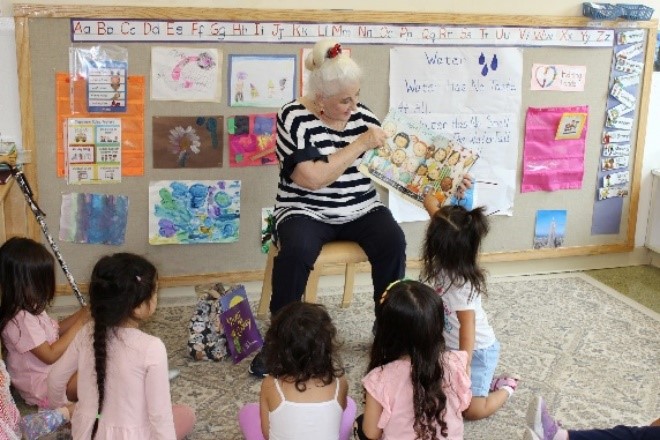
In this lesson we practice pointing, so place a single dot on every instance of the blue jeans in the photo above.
(300, 240)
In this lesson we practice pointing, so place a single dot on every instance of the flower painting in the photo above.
(187, 141)
(184, 141)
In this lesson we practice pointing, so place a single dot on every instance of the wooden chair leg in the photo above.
(312, 285)
(267, 285)
(349, 281)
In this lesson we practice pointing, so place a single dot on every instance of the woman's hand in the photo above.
(374, 137)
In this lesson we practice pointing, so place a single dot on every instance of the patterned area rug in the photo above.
(593, 355)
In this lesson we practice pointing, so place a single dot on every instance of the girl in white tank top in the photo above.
(305, 396)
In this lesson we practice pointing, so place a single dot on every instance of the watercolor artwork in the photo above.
(261, 80)
(93, 218)
(252, 140)
(550, 229)
(185, 74)
(415, 160)
(194, 211)
(187, 141)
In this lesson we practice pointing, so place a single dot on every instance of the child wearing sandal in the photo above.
(305, 395)
(414, 389)
(449, 254)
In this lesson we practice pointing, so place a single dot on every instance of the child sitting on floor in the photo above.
(414, 388)
(305, 395)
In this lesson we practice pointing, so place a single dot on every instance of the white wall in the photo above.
(9, 101)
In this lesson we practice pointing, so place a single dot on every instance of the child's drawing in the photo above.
(252, 140)
(93, 218)
(261, 80)
(185, 74)
(187, 141)
(191, 211)
(415, 160)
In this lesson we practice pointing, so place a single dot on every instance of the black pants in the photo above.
(300, 240)
(617, 433)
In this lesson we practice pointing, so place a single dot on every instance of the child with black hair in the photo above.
(305, 395)
(33, 340)
(414, 388)
(124, 391)
(449, 264)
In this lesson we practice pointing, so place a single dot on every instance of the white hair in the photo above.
(329, 75)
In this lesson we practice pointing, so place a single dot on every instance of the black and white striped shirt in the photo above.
(302, 136)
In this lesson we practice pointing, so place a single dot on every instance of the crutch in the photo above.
(39, 214)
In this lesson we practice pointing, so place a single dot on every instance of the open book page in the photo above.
(416, 160)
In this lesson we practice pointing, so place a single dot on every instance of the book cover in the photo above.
(415, 160)
(238, 324)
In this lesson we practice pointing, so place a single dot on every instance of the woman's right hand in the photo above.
(374, 137)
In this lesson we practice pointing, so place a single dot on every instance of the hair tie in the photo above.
(389, 286)
(137, 277)
(334, 51)
(98, 416)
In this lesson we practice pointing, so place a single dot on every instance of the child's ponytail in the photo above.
(451, 247)
(100, 357)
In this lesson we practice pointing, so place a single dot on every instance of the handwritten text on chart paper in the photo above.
(349, 33)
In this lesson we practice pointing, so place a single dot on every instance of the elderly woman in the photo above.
(321, 195)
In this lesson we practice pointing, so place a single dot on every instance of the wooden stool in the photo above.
(337, 252)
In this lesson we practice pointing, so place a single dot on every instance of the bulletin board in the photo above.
(44, 35)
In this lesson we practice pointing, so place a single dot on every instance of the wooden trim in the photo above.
(23, 57)
(23, 12)
(313, 15)
(339, 269)
(640, 138)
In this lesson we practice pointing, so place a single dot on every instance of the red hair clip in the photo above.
(334, 50)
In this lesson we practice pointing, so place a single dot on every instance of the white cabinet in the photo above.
(653, 226)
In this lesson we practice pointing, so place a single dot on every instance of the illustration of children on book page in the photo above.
(415, 160)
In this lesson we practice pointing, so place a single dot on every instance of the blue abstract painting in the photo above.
(194, 211)
(93, 218)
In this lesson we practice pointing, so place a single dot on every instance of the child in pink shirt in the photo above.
(33, 340)
(408, 364)
(123, 384)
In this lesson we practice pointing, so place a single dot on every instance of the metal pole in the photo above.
(39, 214)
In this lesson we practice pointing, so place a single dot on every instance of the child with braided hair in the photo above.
(123, 386)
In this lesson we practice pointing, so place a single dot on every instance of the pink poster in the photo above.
(553, 156)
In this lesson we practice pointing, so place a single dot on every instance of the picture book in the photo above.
(238, 324)
(416, 160)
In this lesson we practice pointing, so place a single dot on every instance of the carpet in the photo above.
(593, 355)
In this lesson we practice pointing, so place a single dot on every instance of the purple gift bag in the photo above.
(240, 328)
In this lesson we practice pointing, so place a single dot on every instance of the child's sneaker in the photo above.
(542, 426)
(506, 381)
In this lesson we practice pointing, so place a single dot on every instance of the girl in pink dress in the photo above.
(33, 340)
(414, 389)
(123, 386)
